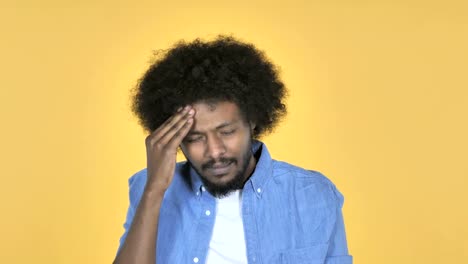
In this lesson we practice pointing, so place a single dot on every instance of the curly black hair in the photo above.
(224, 69)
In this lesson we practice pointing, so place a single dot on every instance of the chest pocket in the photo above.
(315, 254)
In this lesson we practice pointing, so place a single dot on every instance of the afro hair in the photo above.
(224, 69)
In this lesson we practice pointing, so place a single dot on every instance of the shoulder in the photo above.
(306, 182)
(292, 172)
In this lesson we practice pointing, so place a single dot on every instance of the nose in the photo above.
(215, 147)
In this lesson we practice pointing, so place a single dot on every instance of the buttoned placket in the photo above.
(204, 227)
(250, 194)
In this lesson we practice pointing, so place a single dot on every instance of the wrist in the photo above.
(154, 192)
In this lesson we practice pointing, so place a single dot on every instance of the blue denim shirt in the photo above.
(290, 215)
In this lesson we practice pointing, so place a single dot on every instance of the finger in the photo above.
(168, 124)
(177, 127)
(178, 113)
(169, 119)
(176, 140)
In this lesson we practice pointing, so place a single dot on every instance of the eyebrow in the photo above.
(223, 125)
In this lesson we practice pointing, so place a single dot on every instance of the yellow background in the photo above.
(378, 103)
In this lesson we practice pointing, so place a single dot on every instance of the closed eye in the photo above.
(229, 132)
(192, 139)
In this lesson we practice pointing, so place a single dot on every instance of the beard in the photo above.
(221, 190)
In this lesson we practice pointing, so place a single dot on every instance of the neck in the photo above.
(250, 167)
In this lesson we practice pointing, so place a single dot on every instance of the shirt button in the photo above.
(195, 259)
(198, 193)
(259, 190)
(207, 212)
(203, 188)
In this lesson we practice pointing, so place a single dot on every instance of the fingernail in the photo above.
(179, 109)
(191, 112)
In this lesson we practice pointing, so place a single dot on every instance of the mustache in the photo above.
(221, 161)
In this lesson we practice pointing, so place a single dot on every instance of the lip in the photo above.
(221, 170)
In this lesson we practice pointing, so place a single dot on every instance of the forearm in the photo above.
(140, 244)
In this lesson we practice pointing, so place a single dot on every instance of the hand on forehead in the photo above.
(210, 115)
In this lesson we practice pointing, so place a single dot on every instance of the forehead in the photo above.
(209, 115)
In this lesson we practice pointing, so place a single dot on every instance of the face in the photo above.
(218, 147)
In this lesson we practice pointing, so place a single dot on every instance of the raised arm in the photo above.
(161, 149)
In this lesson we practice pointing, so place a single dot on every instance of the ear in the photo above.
(252, 126)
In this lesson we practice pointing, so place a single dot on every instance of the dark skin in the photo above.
(218, 146)
(220, 132)
(161, 152)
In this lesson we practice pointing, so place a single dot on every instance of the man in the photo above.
(230, 202)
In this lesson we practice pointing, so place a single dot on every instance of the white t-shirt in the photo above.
(227, 245)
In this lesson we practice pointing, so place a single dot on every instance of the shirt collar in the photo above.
(263, 169)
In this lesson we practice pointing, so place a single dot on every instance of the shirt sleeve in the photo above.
(338, 247)
(136, 185)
